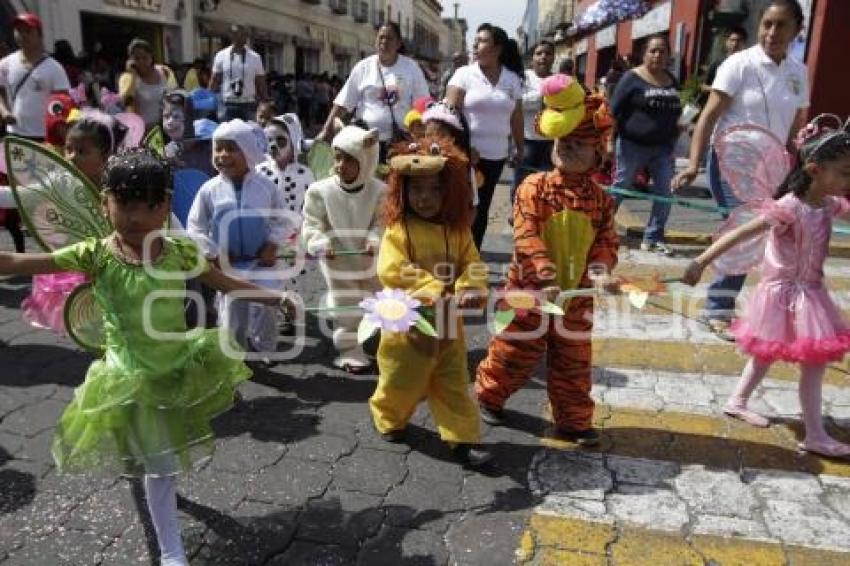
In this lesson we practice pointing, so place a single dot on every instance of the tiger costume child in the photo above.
(563, 222)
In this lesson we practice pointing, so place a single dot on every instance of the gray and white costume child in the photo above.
(285, 138)
(236, 220)
(344, 216)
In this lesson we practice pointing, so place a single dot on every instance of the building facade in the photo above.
(547, 20)
(457, 28)
(292, 36)
(696, 32)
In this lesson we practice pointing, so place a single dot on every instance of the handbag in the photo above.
(398, 133)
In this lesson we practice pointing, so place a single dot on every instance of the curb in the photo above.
(625, 224)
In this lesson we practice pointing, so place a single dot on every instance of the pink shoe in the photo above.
(828, 447)
(746, 415)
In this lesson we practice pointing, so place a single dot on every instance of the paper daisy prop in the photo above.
(392, 310)
(519, 302)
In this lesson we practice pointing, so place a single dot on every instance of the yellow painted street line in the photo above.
(715, 441)
(573, 542)
(646, 262)
(720, 358)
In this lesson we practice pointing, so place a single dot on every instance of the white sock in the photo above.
(161, 493)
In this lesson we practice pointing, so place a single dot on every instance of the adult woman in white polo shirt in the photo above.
(760, 85)
(380, 89)
(490, 93)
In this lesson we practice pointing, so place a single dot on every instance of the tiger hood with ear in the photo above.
(363, 146)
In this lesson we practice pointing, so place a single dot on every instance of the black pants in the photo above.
(491, 170)
(12, 221)
(537, 155)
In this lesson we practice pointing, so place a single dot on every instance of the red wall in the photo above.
(592, 59)
(687, 11)
(827, 58)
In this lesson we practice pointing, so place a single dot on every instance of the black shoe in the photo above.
(394, 436)
(493, 417)
(586, 438)
(471, 455)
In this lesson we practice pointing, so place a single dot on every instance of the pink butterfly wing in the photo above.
(752, 160)
(747, 254)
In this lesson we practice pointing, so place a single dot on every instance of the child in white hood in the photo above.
(341, 214)
(238, 216)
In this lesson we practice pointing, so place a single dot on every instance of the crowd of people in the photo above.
(415, 231)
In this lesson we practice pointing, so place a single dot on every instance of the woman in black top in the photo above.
(646, 106)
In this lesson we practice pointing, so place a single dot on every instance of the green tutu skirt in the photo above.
(148, 421)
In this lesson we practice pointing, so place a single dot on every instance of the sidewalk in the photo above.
(690, 226)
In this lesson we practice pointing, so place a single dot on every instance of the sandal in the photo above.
(746, 415)
(720, 328)
(829, 448)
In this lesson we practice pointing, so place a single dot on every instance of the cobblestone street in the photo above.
(300, 477)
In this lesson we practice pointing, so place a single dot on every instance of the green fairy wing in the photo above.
(155, 141)
(84, 319)
(320, 160)
(56, 201)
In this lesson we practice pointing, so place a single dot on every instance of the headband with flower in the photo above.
(821, 131)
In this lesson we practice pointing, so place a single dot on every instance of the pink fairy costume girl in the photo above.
(790, 316)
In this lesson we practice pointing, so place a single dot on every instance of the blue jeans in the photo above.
(720, 189)
(537, 155)
(658, 159)
(724, 289)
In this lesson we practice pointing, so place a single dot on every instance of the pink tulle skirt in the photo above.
(45, 307)
(792, 322)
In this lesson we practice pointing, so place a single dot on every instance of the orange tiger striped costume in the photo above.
(562, 223)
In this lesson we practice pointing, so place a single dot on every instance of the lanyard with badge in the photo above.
(236, 86)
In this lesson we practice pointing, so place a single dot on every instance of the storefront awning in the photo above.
(603, 13)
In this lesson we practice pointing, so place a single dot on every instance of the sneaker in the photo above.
(585, 438)
(720, 328)
(394, 436)
(471, 455)
(657, 247)
(493, 417)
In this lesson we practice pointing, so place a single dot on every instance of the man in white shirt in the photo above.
(238, 72)
(27, 78)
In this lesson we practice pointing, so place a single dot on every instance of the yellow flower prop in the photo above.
(519, 302)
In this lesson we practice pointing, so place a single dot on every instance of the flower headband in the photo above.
(819, 132)
(443, 112)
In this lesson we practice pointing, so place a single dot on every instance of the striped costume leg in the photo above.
(569, 378)
(510, 361)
